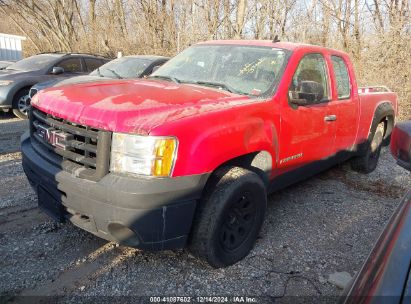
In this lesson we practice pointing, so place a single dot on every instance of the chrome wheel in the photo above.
(23, 104)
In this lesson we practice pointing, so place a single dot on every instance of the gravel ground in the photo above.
(324, 225)
(11, 129)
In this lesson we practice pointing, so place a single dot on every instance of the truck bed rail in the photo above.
(373, 89)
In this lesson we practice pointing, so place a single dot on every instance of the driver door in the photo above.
(307, 131)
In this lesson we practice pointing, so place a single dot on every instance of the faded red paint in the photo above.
(214, 126)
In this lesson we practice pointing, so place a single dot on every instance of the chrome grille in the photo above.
(78, 149)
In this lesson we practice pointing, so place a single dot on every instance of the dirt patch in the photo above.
(378, 187)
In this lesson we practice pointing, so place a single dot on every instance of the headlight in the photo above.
(5, 82)
(143, 155)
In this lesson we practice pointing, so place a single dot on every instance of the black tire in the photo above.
(229, 217)
(368, 160)
(21, 102)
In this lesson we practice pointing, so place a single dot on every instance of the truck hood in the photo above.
(132, 106)
(65, 81)
(80, 79)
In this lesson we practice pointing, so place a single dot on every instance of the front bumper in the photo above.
(146, 213)
(4, 108)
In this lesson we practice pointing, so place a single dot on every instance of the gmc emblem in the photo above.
(56, 138)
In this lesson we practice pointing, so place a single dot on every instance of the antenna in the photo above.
(276, 39)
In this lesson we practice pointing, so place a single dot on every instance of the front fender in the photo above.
(8, 93)
(207, 141)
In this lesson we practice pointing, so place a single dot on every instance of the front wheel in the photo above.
(21, 103)
(230, 217)
(367, 162)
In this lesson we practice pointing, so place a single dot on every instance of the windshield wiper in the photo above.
(220, 85)
(99, 73)
(115, 73)
(176, 80)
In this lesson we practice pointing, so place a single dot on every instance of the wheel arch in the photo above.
(383, 113)
(19, 89)
(259, 162)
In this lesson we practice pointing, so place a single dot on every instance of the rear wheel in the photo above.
(230, 217)
(367, 162)
(21, 103)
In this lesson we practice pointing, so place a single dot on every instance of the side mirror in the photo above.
(298, 102)
(57, 70)
(401, 144)
(307, 92)
(311, 91)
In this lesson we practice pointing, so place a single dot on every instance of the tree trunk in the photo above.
(239, 25)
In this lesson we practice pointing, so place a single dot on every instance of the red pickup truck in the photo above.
(188, 155)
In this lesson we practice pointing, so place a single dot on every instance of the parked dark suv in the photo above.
(17, 78)
(127, 67)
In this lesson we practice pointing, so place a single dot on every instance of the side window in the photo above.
(342, 77)
(310, 81)
(92, 64)
(72, 65)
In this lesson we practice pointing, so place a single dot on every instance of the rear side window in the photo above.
(92, 64)
(342, 77)
(310, 81)
(72, 65)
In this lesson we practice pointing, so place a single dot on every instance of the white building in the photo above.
(10, 47)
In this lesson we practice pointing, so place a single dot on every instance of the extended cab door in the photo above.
(345, 105)
(307, 131)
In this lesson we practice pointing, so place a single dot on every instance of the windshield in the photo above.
(36, 62)
(124, 67)
(247, 70)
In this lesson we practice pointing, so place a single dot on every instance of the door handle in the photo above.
(330, 118)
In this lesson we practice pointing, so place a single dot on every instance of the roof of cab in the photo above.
(291, 46)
